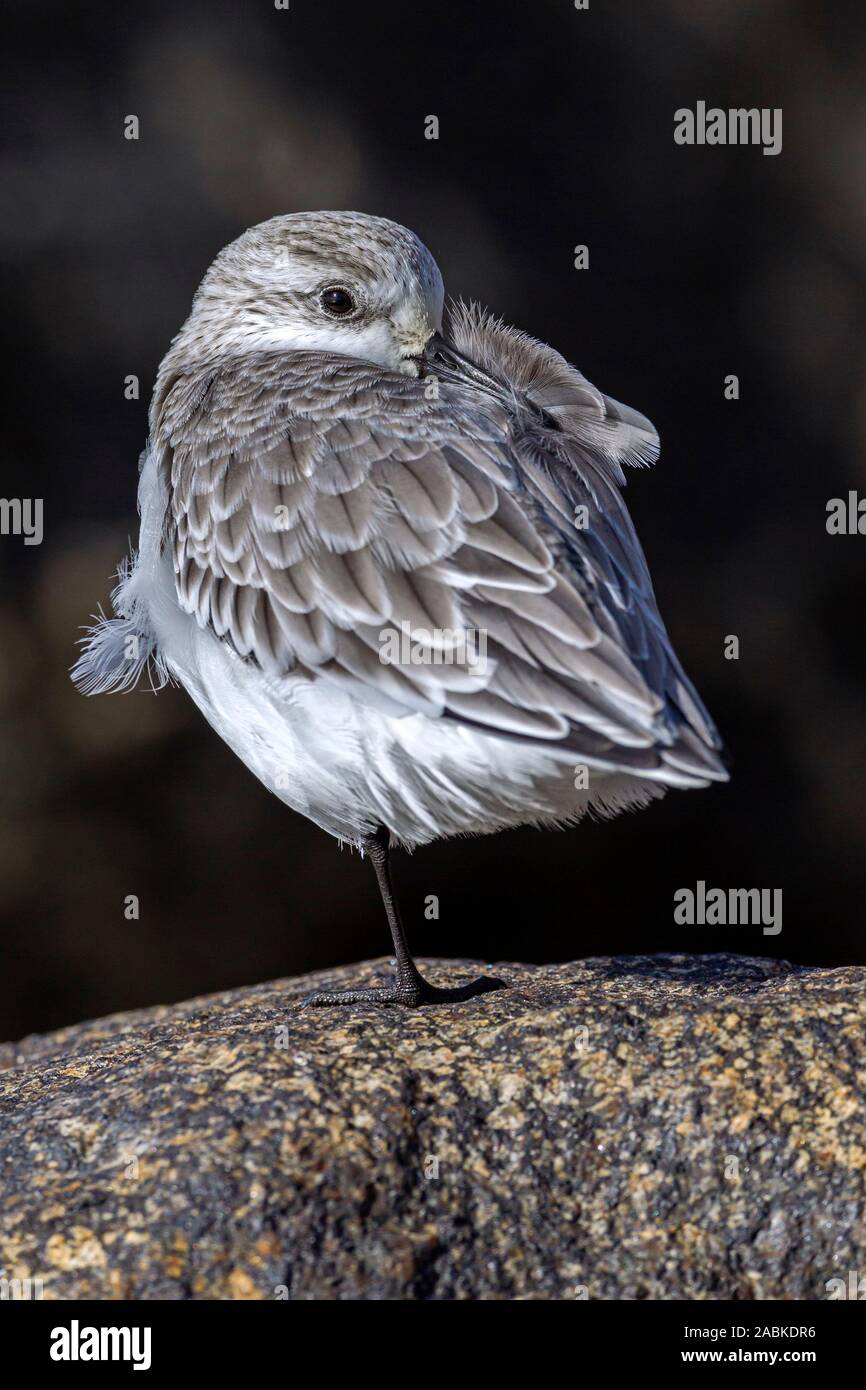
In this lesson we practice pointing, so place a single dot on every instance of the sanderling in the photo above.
(391, 563)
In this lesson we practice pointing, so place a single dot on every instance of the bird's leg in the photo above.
(410, 988)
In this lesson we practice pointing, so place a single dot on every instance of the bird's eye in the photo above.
(337, 301)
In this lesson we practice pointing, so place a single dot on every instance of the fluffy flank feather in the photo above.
(117, 651)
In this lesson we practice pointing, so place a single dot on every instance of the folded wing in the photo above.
(454, 545)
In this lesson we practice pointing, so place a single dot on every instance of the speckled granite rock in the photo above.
(646, 1127)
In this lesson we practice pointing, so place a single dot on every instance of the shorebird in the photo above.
(328, 468)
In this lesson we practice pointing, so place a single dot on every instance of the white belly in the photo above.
(350, 768)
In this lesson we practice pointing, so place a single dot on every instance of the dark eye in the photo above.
(337, 302)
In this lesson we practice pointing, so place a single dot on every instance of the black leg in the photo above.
(410, 988)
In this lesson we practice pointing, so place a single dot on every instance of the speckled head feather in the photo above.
(264, 290)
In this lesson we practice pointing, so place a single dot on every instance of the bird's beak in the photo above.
(442, 359)
(438, 349)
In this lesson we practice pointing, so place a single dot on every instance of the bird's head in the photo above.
(339, 282)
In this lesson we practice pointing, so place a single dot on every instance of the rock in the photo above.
(664, 1127)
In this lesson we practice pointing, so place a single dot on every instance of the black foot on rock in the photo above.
(410, 995)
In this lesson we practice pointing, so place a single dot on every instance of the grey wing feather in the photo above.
(318, 503)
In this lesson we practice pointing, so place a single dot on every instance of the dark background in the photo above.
(556, 129)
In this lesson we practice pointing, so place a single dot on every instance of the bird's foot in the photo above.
(410, 993)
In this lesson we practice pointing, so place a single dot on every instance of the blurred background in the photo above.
(556, 129)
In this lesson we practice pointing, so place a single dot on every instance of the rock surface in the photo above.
(662, 1127)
